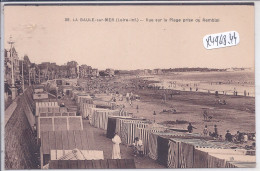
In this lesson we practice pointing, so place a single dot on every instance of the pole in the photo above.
(22, 76)
(29, 76)
(13, 89)
(154, 116)
(34, 77)
(39, 76)
(47, 72)
(12, 65)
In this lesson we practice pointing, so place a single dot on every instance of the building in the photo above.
(62, 71)
(72, 69)
(147, 72)
(110, 72)
(157, 71)
(95, 73)
(85, 71)
(33, 72)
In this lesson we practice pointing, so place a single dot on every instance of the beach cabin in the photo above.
(58, 123)
(58, 141)
(93, 164)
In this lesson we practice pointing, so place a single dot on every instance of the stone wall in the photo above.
(21, 150)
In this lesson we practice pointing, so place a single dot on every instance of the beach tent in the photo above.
(93, 164)
(162, 150)
(143, 131)
(92, 117)
(217, 158)
(43, 107)
(38, 90)
(58, 123)
(57, 114)
(41, 95)
(83, 97)
(100, 117)
(235, 164)
(169, 152)
(103, 97)
(77, 154)
(129, 129)
(65, 140)
(113, 125)
(173, 154)
(104, 104)
(152, 146)
(84, 109)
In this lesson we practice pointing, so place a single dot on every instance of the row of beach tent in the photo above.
(170, 148)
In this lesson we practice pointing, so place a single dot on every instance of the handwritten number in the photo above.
(224, 39)
(233, 37)
(216, 40)
(207, 40)
(221, 40)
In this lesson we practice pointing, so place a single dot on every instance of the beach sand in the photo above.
(237, 115)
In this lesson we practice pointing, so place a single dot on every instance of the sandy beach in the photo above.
(237, 115)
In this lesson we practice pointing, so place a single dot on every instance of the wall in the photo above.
(21, 151)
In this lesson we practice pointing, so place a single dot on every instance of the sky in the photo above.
(42, 33)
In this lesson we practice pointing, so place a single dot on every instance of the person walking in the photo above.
(190, 128)
(215, 131)
(116, 148)
(205, 130)
(205, 115)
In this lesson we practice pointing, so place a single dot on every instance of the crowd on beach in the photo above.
(239, 137)
(121, 90)
(127, 94)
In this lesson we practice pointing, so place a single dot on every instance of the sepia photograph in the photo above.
(128, 86)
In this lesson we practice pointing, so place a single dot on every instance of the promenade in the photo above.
(105, 144)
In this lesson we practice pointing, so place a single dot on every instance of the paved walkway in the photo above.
(105, 144)
(9, 111)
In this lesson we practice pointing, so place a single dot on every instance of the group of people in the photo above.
(130, 98)
(137, 147)
(237, 138)
(205, 131)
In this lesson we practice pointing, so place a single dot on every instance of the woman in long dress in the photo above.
(116, 148)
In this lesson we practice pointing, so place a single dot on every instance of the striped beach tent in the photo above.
(186, 155)
(115, 125)
(143, 134)
(173, 154)
(152, 146)
(131, 128)
(124, 132)
(162, 150)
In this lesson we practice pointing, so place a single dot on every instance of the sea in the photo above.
(226, 82)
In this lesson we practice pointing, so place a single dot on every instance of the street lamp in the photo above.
(13, 89)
